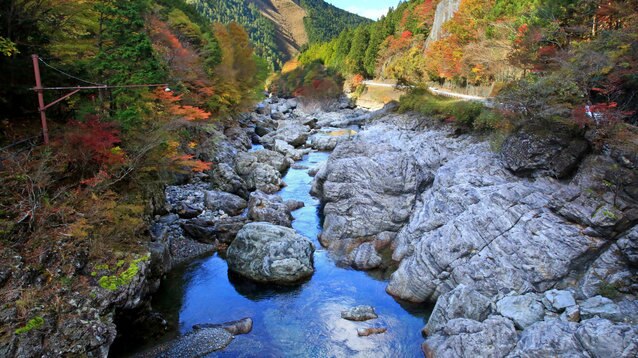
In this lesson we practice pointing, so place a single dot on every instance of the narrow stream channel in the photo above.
(301, 321)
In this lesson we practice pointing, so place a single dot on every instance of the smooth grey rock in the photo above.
(229, 203)
(369, 186)
(494, 337)
(266, 253)
(293, 205)
(291, 132)
(269, 208)
(600, 306)
(314, 170)
(553, 338)
(461, 302)
(328, 138)
(359, 313)
(557, 301)
(365, 257)
(524, 310)
(287, 150)
(602, 338)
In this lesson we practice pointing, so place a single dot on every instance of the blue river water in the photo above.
(300, 321)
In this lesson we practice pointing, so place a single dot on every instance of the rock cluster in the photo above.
(517, 266)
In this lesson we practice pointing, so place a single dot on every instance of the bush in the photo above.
(488, 120)
(461, 112)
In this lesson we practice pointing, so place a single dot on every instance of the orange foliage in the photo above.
(190, 113)
(195, 165)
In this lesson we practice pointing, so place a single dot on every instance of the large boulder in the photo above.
(291, 132)
(269, 208)
(224, 178)
(327, 139)
(269, 253)
(465, 338)
(600, 306)
(369, 186)
(288, 150)
(535, 152)
(277, 161)
(221, 230)
(261, 170)
(229, 203)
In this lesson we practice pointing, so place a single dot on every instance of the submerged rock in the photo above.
(359, 313)
(364, 332)
(242, 326)
(195, 344)
(267, 253)
(365, 257)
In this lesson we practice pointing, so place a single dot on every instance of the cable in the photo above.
(68, 75)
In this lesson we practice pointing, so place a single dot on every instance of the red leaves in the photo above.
(406, 34)
(190, 113)
(95, 140)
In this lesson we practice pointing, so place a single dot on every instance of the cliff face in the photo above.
(444, 12)
(484, 233)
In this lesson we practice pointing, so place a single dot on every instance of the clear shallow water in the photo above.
(301, 321)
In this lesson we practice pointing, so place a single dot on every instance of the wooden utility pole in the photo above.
(40, 90)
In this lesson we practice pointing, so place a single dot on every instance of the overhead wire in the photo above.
(67, 74)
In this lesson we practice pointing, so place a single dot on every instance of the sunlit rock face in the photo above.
(444, 12)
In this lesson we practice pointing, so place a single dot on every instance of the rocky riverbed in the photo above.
(517, 248)
(529, 250)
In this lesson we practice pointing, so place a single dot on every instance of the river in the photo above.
(300, 321)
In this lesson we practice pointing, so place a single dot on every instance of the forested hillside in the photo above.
(322, 23)
(325, 22)
(89, 194)
(567, 54)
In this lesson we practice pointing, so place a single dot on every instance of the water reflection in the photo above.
(301, 321)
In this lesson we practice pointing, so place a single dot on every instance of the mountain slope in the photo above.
(289, 19)
(279, 28)
(325, 21)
